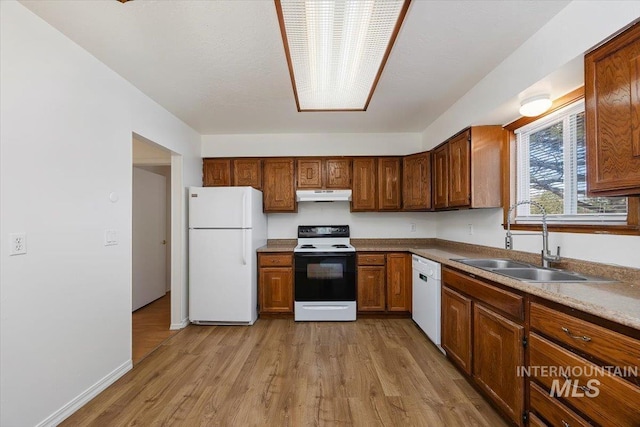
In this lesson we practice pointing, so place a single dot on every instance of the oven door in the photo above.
(325, 276)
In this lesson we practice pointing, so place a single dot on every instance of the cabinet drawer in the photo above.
(370, 259)
(552, 410)
(604, 344)
(535, 421)
(505, 301)
(276, 260)
(601, 396)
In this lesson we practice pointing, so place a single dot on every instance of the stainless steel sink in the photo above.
(493, 263)
(533, 274)
(527, 272)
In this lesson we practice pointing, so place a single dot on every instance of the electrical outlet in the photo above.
(412, 227)
(470, 229)
(17, 243)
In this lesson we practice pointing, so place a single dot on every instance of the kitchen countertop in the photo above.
(617, 301)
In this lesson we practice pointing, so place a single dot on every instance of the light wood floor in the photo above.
(150, 325)
(373, 372)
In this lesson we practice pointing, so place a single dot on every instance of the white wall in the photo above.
(576, 29)
(362, 224)
(488, 231)
(312, 144)
(573, 31)
(67, 124)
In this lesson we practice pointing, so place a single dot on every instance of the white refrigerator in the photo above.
(226, 226)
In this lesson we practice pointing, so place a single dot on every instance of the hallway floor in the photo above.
(151, 327)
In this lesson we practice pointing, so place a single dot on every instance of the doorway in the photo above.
(151, 247)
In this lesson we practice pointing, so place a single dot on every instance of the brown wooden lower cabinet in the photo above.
(275, 283)
(371, 280)
(497, 354)
(399, 278)
(384, 282)
(605, 398)
(482, 333)
(551, 410)
(535, 421)
(456, 328)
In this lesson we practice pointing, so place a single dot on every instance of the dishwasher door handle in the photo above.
(423, 277)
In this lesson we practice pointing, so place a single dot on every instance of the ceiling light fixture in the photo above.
(535, 105)
(336, 49)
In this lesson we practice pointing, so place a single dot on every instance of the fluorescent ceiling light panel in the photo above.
(336, 49)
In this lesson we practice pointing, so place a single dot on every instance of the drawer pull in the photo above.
(581, 387)
(576, 337)
(565, 424)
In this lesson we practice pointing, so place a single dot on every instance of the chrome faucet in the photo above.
(546, 255)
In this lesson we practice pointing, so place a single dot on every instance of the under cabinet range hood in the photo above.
(323, 195)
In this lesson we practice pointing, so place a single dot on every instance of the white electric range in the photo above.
(325, 274)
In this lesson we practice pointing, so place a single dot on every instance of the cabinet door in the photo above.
(416, 182)
(441, 177)
(371, 288)
(497, 353)
(276, 289)
(399, 282)
(456, 328)
(460, 170)
(247, 172)
(364, 185)
(612, 97)
(216, 172)
(309, 173)
(338, 173)
(278, 185)
(389, 183)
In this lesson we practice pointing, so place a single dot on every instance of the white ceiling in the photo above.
(220, 65)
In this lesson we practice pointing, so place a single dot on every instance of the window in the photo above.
(551, 170)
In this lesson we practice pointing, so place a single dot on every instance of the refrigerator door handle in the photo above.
(244, 209)
(244, 246)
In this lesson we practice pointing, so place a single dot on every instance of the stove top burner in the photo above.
(323, 239)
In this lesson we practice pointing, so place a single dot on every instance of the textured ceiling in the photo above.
(220, 65)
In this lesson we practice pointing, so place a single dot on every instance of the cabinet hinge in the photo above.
(524, 341)
(525, 417)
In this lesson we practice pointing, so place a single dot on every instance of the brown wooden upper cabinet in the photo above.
(278, 185)
(416, 182)
(309, 173)
(323, 173)
(441, 177)
(612, 107)
(467, 169)
(338, 173)
(459, 176)
(364, 194)
(216, 172)
(389, 186)
(247, 172)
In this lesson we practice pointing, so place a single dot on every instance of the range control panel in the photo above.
(323, 231)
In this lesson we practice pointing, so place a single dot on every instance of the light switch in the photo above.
(110, 237)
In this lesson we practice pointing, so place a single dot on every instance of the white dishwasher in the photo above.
(426, 297)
